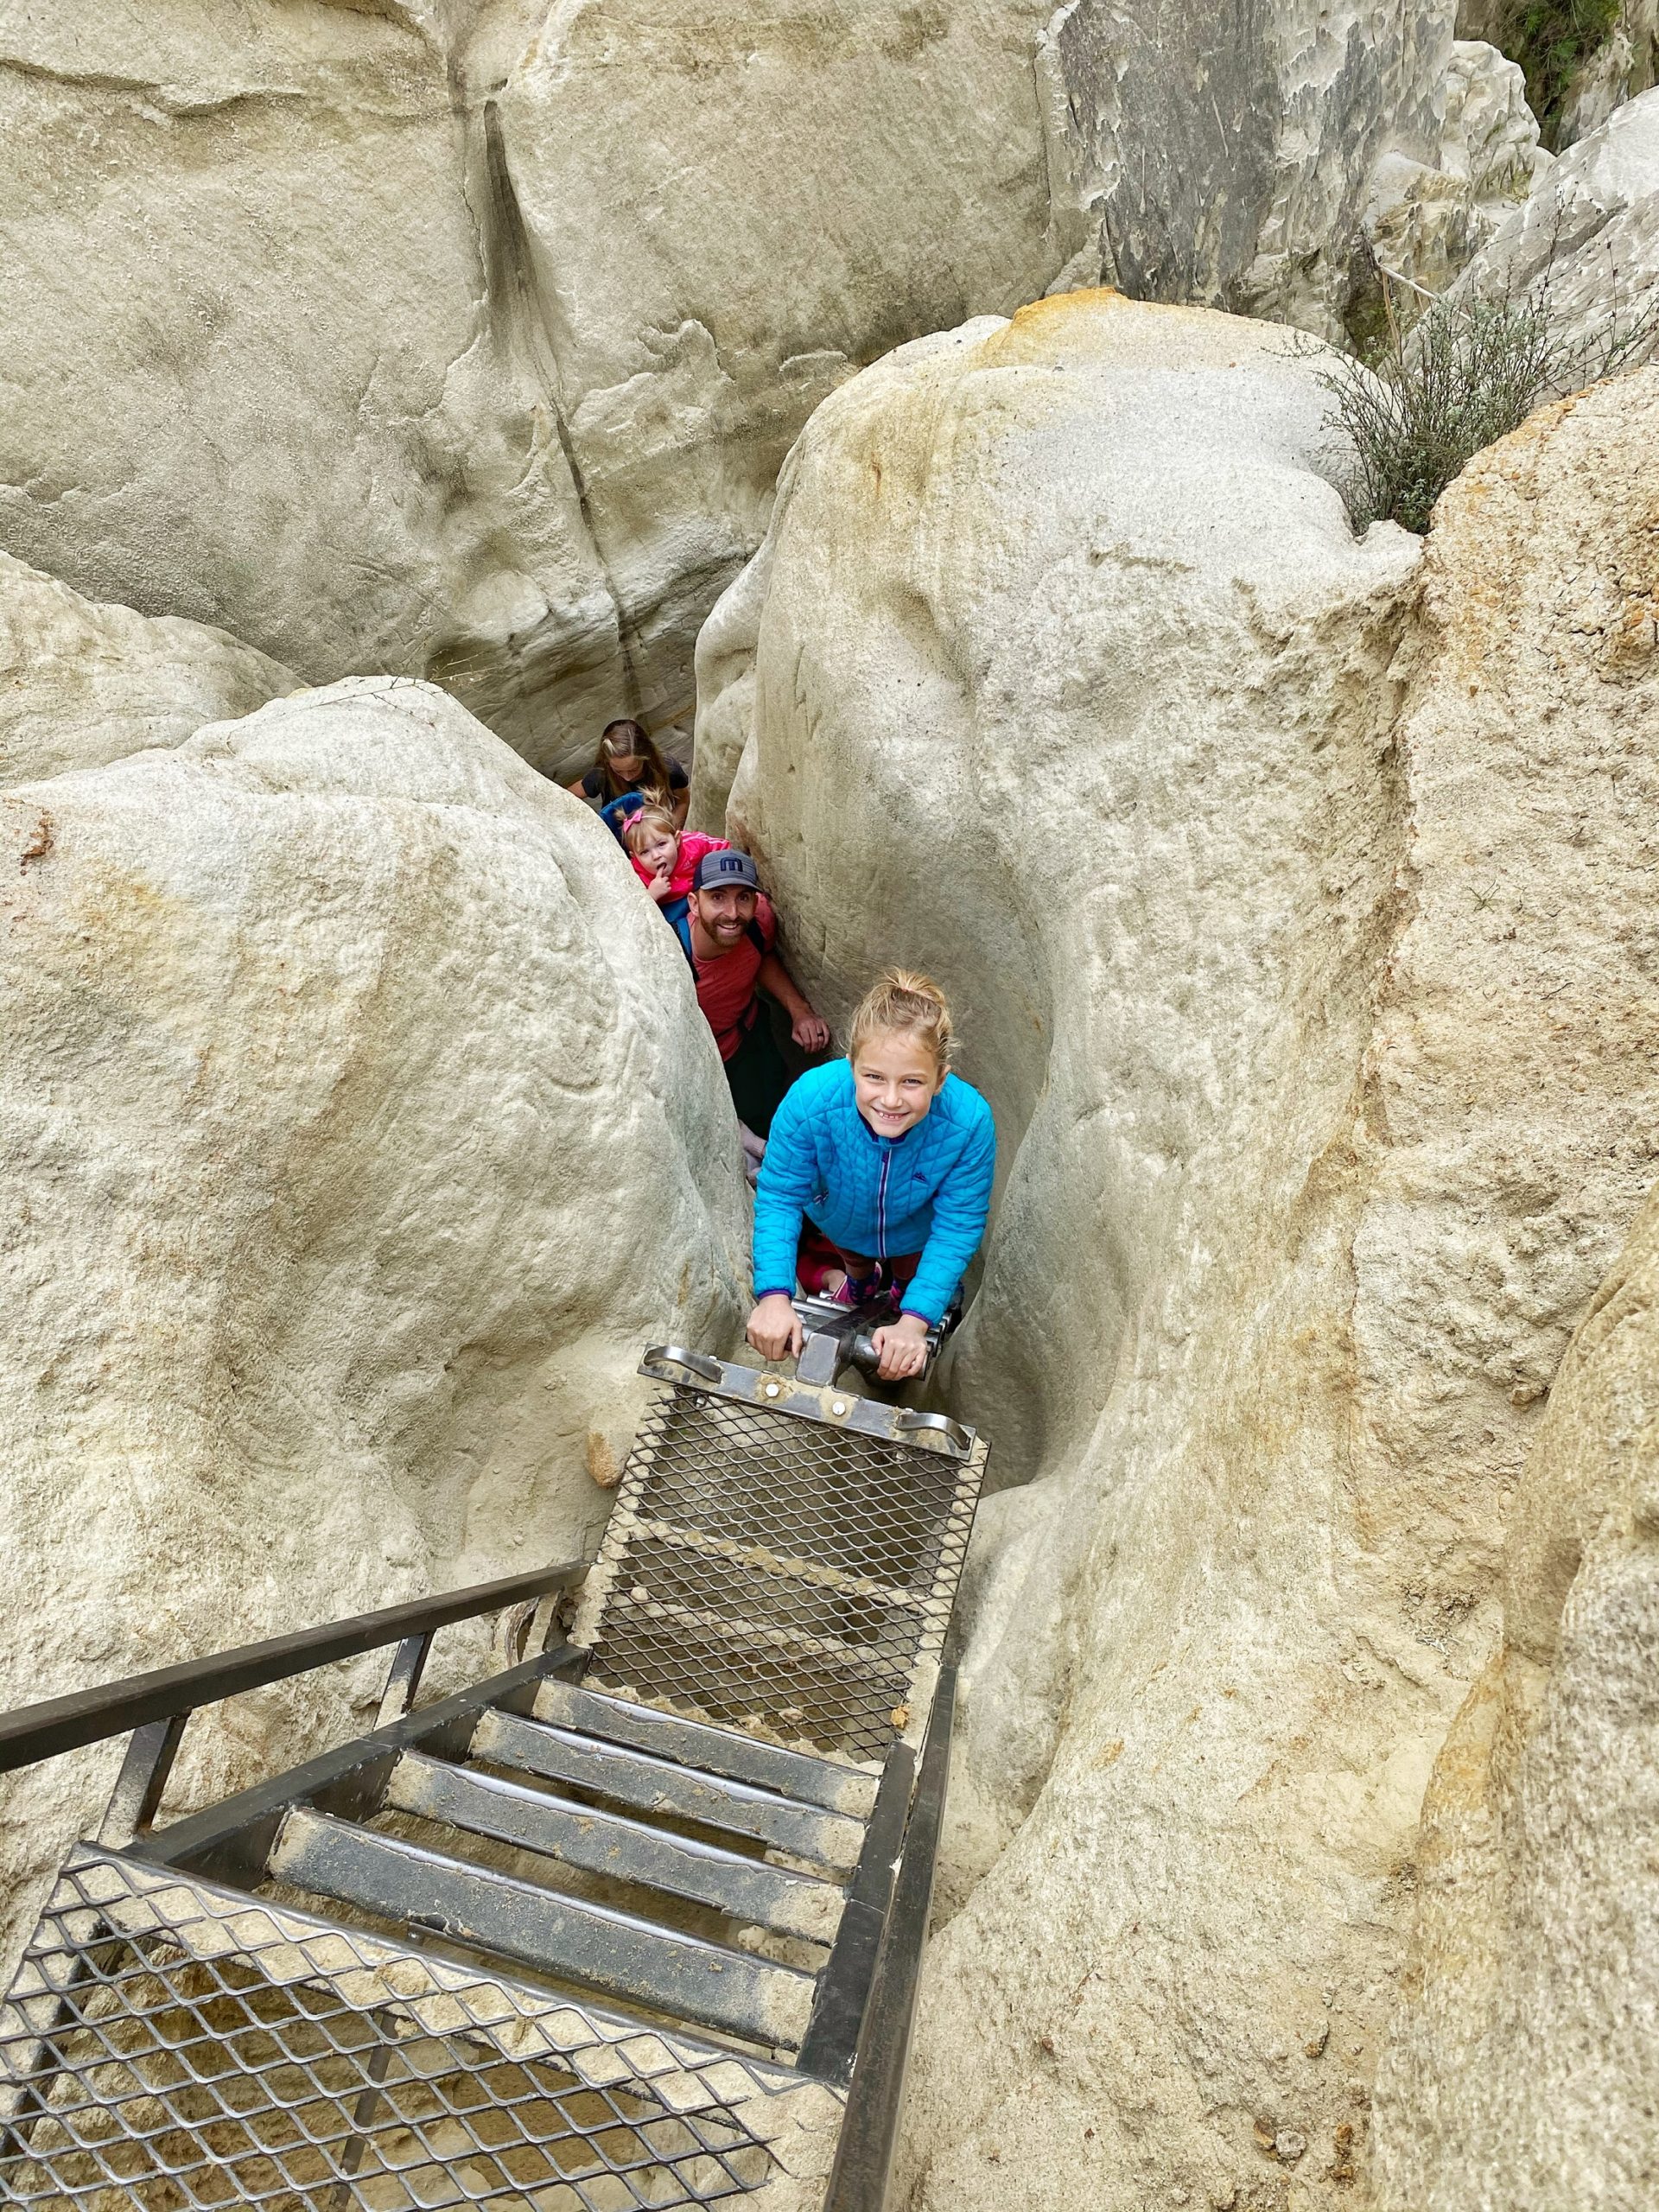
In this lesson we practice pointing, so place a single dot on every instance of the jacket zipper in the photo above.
(882, 1206)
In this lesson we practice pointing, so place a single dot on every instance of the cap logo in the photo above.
(729, 867)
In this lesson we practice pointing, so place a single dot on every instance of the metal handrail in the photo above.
(858, 2181)
(40, 1732)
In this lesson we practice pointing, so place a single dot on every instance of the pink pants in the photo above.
(817, 1257)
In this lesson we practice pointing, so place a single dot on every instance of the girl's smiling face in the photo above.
(657, 852)
(895, 1080)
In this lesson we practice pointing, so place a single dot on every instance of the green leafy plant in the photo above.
(1434, 391)
(1552, 40)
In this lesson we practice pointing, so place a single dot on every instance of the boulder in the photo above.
(1521, 2068)
(1426, 221)
(264, 368)
(80, 684)
(1292, 893)
(464, 341)
(359, 1127)
(1586, 240)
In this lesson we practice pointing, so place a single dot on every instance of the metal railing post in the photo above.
(408, 1665)
(858, 2180)
(136, 1796)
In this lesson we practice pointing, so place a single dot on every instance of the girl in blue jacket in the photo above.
(877, 1177)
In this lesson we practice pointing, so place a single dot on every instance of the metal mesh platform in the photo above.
(169, 2045)
(791, 1577)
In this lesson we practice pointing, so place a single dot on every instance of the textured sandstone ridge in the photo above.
(1425, 220)
(360, 1125)
(1228, 155)
(1588, 235)
(1294, 893)
(463, 338)
(1523, 2067)
(81, 684)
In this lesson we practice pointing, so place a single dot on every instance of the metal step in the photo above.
(594, 1945)
(606, 1843)
(658, 1785)
(715, 1750)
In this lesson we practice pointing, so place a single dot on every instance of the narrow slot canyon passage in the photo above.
(1177, 790)
(971, 414)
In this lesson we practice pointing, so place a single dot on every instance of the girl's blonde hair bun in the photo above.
(901, 999)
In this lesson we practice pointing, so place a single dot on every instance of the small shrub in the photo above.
(1465, 373)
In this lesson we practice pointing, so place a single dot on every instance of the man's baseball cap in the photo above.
(714, 871)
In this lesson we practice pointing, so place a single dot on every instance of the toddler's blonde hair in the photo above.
(647, 817)
(913, 1004)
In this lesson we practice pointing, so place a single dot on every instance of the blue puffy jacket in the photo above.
(926, 1192)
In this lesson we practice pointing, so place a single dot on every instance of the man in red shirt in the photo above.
(733, 930)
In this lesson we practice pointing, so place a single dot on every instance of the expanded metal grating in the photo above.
(168, 2045)
(791, 1578)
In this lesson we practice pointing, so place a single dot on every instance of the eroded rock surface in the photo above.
(465, 340)
(359, 1127)
(81, 684)
(1227, 155)
(1294, 895)
(1522, 2068)
(1587, 240)
(1426, 219)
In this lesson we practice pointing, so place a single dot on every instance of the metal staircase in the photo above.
(634, 1923)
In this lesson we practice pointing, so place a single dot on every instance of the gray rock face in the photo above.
(466, 340)
(1225, 151)
(1425, 220)
(1621, 65)
(1626, 64)
(1587, 239)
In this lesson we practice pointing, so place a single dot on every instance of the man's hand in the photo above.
(775, 1328)
(902, 1347)
(810, 1032)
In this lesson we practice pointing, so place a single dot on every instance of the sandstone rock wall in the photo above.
(1587, 241)
(1293, 897)
(1425, 220)
(1521, 2069)
(255, 374)
(1224, 154)
(359, 1127)
(463, 339)
(82, 684)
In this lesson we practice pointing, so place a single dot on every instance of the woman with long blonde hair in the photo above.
(628, 760)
